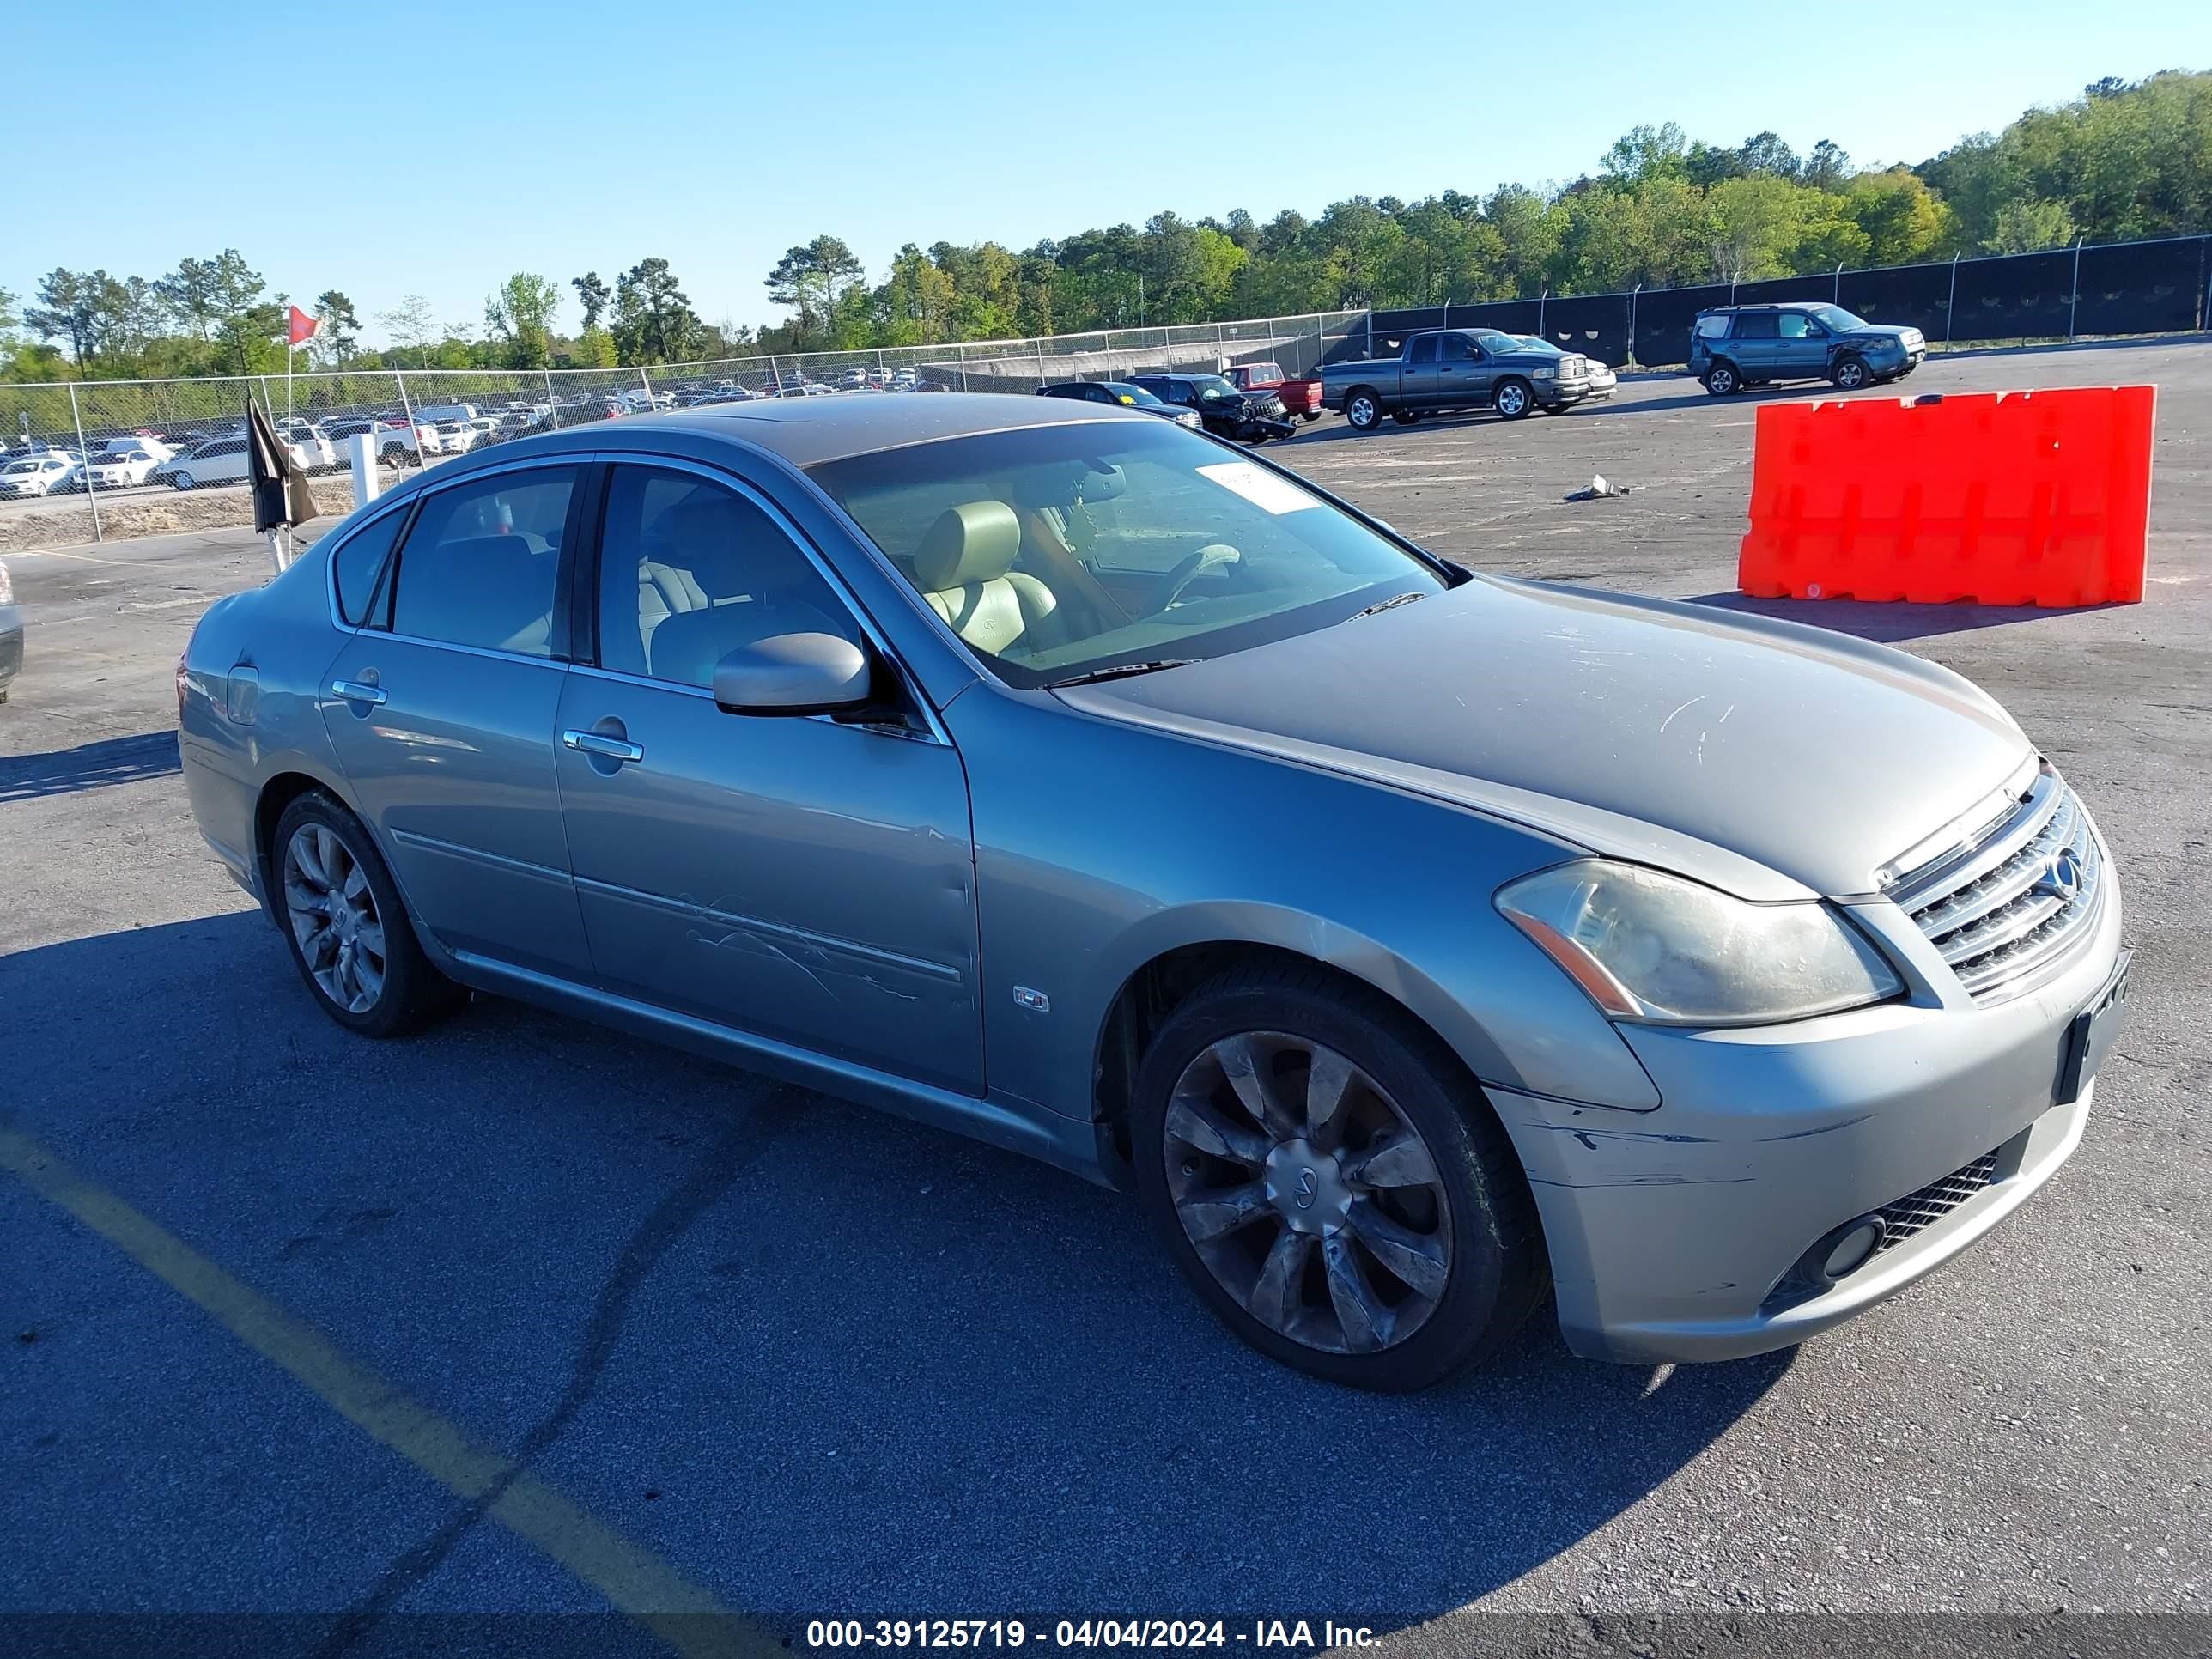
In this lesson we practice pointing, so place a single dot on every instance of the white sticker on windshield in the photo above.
(1264, 489)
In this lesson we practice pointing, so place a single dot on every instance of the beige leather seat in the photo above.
(964, 567)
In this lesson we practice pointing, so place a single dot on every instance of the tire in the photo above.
(1280, 1219)
(1723, 381)
(1310, 416)
(180, 481)
(1851, 374)
(1404, 416)
(1513, 399)
(1363, 410)
(372, 977)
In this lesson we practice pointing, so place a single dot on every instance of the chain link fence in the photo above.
(107, 460)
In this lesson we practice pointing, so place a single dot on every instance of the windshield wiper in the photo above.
(1118, 670)
(1385, 604)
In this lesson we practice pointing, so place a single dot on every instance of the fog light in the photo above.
(1851, 1248)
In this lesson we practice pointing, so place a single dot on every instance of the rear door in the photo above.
(799, 878)
(1755, 344)
(441, 709)
(1418, 382)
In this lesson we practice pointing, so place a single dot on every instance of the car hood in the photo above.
(1768, 758)
(1880, 331)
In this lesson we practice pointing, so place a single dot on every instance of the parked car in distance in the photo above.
(1450, 371)
(310, 448)
(398, 444)
(1736, 346)
(1603, 382)
(34, 474)
(1300, 397)
(124, 469)
(1222, 410)
(1123, 393)
(1706, 1034)
(223, 461)
(11, 633)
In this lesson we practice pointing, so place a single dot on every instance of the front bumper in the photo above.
(1561, 394)
(1674, 1234)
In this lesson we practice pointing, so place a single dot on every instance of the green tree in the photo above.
(810, 278)
(653, 322)
(1645, 151)
(340, 334)
(1903, 221)
(413, 330)
(595, 296)
(2024, 226)
(594, 349)
(520, 317)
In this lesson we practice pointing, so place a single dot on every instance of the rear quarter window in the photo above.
(1713, 328)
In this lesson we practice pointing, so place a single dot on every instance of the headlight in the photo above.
(1546, 372)
(1653, 947)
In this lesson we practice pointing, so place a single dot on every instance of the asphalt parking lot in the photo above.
(786, 1357)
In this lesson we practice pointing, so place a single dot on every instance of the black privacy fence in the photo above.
(2123, 288)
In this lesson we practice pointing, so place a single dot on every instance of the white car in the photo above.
(309, 447)
(34, 474)
(140, 441)
(222, 460)
(124, 469)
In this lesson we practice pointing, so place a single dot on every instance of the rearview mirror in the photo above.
(793, 674)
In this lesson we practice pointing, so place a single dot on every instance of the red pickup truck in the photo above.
(1300, 398)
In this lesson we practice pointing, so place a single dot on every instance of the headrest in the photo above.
(974, 542)
(702, 535)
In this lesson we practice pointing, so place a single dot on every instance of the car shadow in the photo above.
(820, 1357)
(1890, 623)
(88, 766)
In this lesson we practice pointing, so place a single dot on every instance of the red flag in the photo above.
(304, 327)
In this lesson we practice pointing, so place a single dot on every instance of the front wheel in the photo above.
(1363, 410)
(180, 480)
(1851, 374)
(1310, 416)
(1513, 399)
(1330, 1182)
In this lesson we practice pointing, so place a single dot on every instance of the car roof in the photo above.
(800, 432)
(1764, 305)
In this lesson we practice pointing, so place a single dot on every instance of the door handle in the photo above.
(598, 743)
(357, 691)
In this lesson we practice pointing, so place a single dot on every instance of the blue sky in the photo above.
(448, 146)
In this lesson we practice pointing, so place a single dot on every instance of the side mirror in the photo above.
(793, 674)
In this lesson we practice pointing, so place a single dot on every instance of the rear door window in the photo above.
(1757, 325)
(1424, 351)
(481, 566)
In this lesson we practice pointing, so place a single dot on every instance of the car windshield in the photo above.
(1838, 320)
(1115, 543)
(14, 467)
(1211, 388)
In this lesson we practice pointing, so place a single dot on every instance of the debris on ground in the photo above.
(1600, 489)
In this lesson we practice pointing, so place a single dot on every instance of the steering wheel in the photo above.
(1212, 556)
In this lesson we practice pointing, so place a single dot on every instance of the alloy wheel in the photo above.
(1307, 1192)
(333, 916)
(1512, 400)
(1363, 411)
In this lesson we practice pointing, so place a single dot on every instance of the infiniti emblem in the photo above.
(2062, 875)
(1309, 1185)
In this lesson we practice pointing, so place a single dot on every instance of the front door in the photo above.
(442, 710)
(1802, 353)
(795, 877)
(1464, 374)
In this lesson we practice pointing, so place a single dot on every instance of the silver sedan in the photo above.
(1410, 941)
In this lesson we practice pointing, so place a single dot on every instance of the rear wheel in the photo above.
(1404, 416)
(348, 929)
(1330, 1183)
(1513, 399)
(1850, 374)
(1363, 410)
(1310, 416)
(1722, 381)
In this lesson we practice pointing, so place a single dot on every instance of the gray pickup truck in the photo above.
(1452, 369)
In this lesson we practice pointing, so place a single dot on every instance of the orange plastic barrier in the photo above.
(2003, 498)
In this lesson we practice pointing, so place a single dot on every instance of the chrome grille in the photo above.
(1907, 1216)
(2017, 898)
